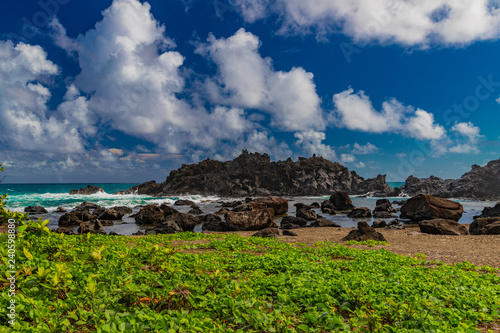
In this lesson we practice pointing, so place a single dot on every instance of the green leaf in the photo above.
(28, 255)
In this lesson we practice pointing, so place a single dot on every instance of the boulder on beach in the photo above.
(124, 210)
(93, 227)
(341, 201)
(294, 220)
(166, 227)
(35, 210)
(322, 222)
(75, 218)
(110, 214)
(427, 207)
(253, 220)
(485, 226)
(491, 211)
(212, 222)
(442, 227)
(307, 214)
(279, 205)
(249, 206)
(379, 224)
(327, 207)
(90, 189)
(150, 214)
(186, 222)
(360, 212)
(267, 233)
(364, 232)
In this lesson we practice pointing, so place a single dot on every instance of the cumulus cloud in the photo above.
(347, 158)
(26, 122)
(247, 80)
(468, 136)
(407, 22)
(311, 142)
(368, 148)
(356, 112)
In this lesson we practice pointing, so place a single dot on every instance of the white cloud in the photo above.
(467, 130)
(311, 143)
(247, 80)
(360, 165)
(26, 122)
(369, 148)
(347, 158)
(422, 126)
(468, 136)
(406, 22)
(356, 112)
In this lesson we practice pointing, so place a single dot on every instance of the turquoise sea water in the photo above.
(395, 184)
(52, 196)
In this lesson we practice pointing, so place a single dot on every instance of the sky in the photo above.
(128, 90)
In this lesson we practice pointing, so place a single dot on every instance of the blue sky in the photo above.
(126, 90)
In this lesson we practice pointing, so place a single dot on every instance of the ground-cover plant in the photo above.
(368, 242)
(191, 282)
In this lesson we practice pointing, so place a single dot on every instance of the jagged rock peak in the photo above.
(254, 174)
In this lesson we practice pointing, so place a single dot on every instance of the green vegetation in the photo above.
(369, 242)
(191, 282)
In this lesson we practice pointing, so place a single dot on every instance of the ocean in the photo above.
(52, 196)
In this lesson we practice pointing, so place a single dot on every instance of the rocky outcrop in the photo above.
(253, 220)
(427, 207)
(93, 227)
(364, 232)
(150, 214)
(443, 227)
(267, 233)
(186, 222)
(279, 205)
(384, 209)
(307, 214)
(360, 212)
(322, 222)
(75, 218)
(35, 210)
(485, 226)
(481, 183)
(110, 214)
(90, 189)
(341, 201)
(214, 223)
(294, 220)
(491, 211)
(150, 187)
(255, 175)
(414, 186)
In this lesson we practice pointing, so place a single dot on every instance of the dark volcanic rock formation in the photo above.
(415, 186)
(427, 207)
(443, 227)
(90, 189)
(33, 210)
(485, 226)
(253, 174)
(480, 183)
(364, 232)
